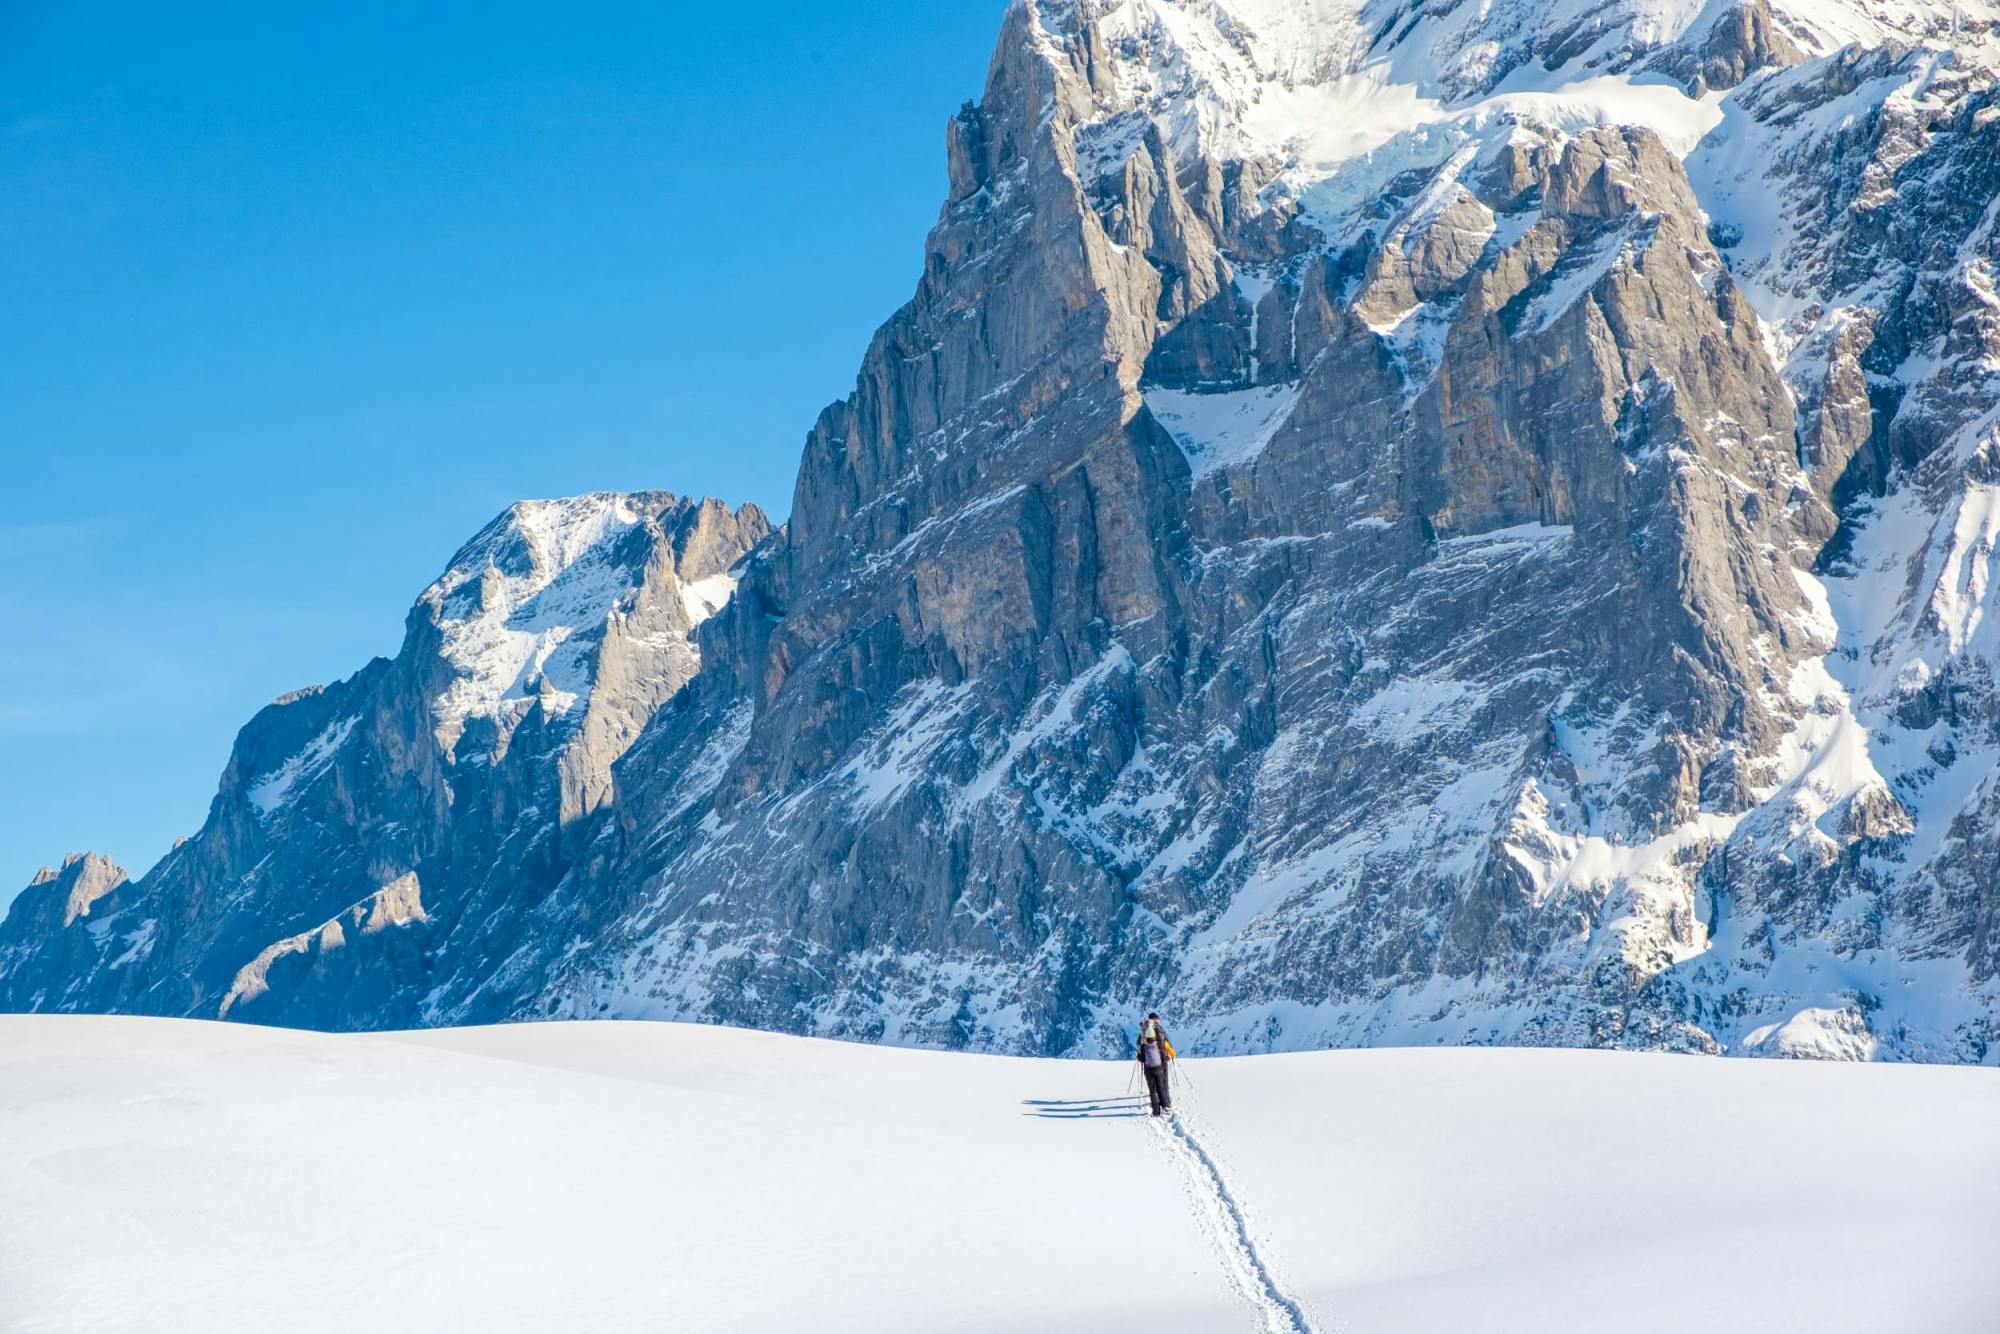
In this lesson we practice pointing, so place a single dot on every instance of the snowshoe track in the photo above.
(1221, 1217)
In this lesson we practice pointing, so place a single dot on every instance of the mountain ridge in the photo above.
(1373, 528)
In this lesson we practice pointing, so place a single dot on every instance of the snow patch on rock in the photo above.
(521, 608)
(1225, 430)
(270, 791)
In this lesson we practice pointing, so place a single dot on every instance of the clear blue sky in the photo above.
(292, 302)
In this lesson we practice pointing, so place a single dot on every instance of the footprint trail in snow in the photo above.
(1221, 1217)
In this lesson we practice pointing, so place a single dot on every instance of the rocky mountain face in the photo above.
(1382, 522)
(428, 807)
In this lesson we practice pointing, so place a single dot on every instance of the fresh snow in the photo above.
(705, 770)
(1580, 272)
(631, 1177)
(705, 597)
(1059, 717)
(890, 759)
(1346, 99)
(270, 791)
(1224, 430)
(523, 606)
(1520, 536)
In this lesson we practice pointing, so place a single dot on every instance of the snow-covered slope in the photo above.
(172, 1175)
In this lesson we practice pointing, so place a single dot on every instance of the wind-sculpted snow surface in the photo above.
(646, 1177)
(1381, 523)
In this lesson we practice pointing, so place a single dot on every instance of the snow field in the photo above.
(1559, 1192)
(175, 1175)
(170, 1175)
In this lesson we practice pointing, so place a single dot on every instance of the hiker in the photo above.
(1154, 1053)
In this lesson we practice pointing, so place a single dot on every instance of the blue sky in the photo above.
(293, 302)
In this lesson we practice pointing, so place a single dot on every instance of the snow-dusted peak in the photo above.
(1451, 50)
(1339, 97)
(580, 613)
(523, 605)
(534, 542)
(1336, 98)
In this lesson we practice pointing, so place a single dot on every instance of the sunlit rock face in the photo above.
(1377, 525)
(386, 843)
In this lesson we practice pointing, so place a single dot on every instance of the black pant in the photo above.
(1156, 1087)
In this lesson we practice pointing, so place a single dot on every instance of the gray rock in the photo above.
(425, 809)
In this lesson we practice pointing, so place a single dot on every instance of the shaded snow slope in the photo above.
(616, 1177)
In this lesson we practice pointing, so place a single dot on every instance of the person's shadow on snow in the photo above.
(1083, 1109)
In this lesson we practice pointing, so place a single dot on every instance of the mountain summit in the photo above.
(1383, 522)
(426, 808)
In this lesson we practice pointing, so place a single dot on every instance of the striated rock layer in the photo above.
(1378, 525)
